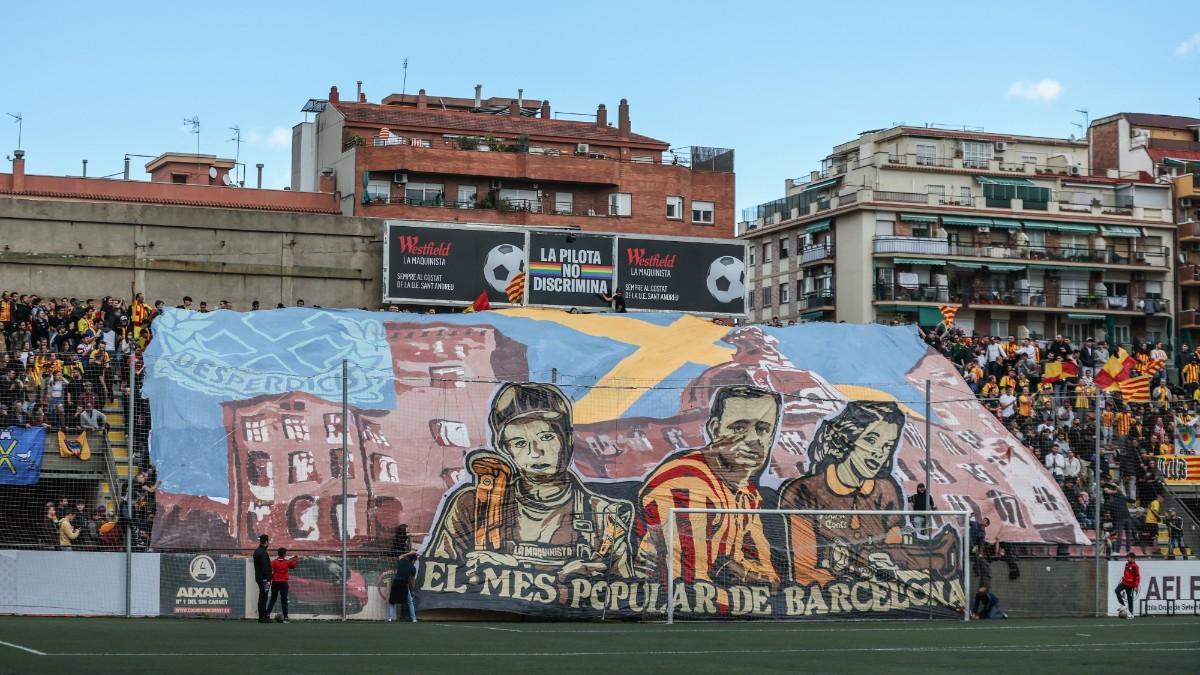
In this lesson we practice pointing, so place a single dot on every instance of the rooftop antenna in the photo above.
(194, 123)
(404, 84)
(20, 122)
(237, 153)
(1086, 120)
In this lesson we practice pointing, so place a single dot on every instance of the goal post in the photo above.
(849, 563)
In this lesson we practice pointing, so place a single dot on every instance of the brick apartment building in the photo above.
(509, 162)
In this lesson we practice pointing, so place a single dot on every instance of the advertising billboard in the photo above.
(436, 264)
(689, 275)
(569, 269)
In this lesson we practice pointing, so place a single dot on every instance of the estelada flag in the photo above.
(948, 313)
(1135, 389)
(516, 289)
(77, 447)
(1117, 368)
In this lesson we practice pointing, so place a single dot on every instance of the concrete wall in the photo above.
(72, 248)
(1046, 587)
(76, 583)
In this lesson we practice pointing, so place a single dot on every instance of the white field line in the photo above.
(24, 649)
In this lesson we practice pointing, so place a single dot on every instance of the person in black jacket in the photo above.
(262, 576)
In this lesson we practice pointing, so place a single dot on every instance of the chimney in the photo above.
(259, 166)
(623, 119)
(601, 117)
(514, 110)
(545, 110)
(333, 94)
(18, 171)
(327, 183)
(362, 97)
(520, 98)
(478, 95)
(421, 103)
(358, 91)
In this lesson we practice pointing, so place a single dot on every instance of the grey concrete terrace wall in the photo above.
(87, 248)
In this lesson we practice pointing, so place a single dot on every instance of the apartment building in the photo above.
(1018, 230)
(1167, 147)
(510, 162)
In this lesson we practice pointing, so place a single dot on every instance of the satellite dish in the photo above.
(212, 172)
(227, 180)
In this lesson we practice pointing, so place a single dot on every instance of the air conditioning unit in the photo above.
(985, 228)
(495, 184)
(582, 148)
(1000, 146)
(401, 177)
(1139, 256)
(1073, 170)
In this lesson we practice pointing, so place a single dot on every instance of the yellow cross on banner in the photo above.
(6, 449)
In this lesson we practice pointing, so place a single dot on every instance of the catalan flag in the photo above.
(1135, 389)
(1059, 370)
(516, 289)
(948, 313)
(1152, 368)
(1116, 369)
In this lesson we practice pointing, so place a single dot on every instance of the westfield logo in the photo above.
(637, 258)
(411, 245)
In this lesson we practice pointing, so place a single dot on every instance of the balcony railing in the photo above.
(1145, 255)
(503, 205)
(1033, 296)
(817, 299)
(1188, 318)
(906, 197)
(814, 253)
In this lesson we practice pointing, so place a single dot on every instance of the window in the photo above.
(999, 326)
(295, 427)
(1120, 336)
(784, 294)
(258, 469)
(783, 247)
(926, 154)
(750, 299)
(1028, 158)
(675, 208)
(424, 193)
(467, 196)
(256, 429)
(522, 200)
(977, 154)
(964, 196)
(936, 190)
(702, 212)
(301, 467)
(421, 143)
(179, 178)
(766, 296)
(335, 463)
(620, 204)
(564, 202)
(1037, 240)
(1078, 331)
(386, 469)
(750, 262)
(373, 434)
(766, 251)
(333, 427)
(379, 190)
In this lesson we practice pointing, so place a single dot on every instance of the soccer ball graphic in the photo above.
(502, 264)
(727, 279)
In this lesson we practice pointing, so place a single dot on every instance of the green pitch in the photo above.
(49, 645)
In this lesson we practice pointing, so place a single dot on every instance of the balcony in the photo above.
(1189, 318)
(1187, 185)
(1189, 231)
(817, 299)
(1143, 256)
(1189, 275)
(1040, 298)
(507, 212)
(815, 253)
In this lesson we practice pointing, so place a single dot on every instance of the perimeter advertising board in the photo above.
(202, 585)
(1168, 586)
(690, 275)
(569, 269)
(436, 264)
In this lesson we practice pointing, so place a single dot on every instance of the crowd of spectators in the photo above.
(1044, 392)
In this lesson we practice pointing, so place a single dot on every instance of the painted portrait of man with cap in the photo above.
(525, 507)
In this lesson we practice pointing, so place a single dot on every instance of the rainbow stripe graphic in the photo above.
(552, 269)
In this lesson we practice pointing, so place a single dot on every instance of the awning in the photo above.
(918, 218)
(918, 261)
(1000, 267)
(818, 226)
(1122, 231)
(996, 180)
(967, 221)
(810, 316)
(929, 316)
(822, 184)
(1087, 317)
(1080, 228)
(966, 265)
(897, 309)
(1006, 223)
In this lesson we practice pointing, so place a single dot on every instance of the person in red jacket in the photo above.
(1130, 580)
(279, 583)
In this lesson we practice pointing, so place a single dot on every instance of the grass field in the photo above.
(47, 645)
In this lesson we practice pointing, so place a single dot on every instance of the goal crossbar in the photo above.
(964, 538)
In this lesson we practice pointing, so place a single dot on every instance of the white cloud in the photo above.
(1188, 46)
(278, 138)
(1042, 90)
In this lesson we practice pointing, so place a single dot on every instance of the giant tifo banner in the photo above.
(536, 455)
(436, 263)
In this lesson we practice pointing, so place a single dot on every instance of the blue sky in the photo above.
(780, 82)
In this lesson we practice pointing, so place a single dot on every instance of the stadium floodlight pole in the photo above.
(345, 466)
(1098, 529)
(928, 486)
(671, 565)
(129, 445)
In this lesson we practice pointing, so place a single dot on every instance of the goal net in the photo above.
(814, 564)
